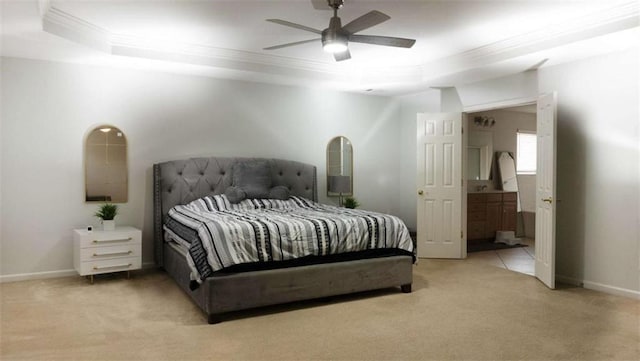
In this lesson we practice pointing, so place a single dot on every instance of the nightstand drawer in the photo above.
(107, 251)
(110, 265)
(111, 238)
(101, 253)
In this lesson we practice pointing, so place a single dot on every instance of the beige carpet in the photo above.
(459, 310)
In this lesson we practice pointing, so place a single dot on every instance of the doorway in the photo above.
(500, 225)
(442, 209)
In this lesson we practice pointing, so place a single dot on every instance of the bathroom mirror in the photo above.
(339, 167)
(479, 151)
(105, 160)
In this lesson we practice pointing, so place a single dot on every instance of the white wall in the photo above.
(598, 169)
(504, 89)
(424, 102)
(47, 109)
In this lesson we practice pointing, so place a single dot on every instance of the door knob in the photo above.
(548, 200)
(420, 192)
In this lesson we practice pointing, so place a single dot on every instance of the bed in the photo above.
(180, 184)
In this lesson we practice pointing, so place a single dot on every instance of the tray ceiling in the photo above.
(457, 41)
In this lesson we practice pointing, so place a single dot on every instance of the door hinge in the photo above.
(461, 235)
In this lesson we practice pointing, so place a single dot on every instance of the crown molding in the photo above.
(73, 28)
(207, 55)
(616, 18)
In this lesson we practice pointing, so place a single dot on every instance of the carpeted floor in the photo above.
(459, 310)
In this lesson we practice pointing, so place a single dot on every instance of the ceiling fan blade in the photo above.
(291, 44)
(294, 25)
(344, 55)
(382, 40)
(366, 21)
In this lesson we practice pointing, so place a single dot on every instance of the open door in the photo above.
(439, 182)
(546, 190)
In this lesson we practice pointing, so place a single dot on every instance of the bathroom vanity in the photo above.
(488, 212)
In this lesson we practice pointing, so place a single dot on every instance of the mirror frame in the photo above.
(342, 155)
(88, 163)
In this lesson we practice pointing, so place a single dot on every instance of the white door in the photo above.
(546, 190)
(439, 185)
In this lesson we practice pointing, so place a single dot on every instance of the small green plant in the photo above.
(107, 212)
(350, 202)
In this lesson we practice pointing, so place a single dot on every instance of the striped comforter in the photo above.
(219, 234)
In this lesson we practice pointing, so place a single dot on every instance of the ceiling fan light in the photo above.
(334, 47)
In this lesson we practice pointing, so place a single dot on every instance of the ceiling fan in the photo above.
(336, 37)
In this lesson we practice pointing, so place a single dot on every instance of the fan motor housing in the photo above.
(334, 33)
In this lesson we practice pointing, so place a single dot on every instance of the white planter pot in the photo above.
(108, 225)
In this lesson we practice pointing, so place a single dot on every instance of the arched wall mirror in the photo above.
(339, 167)
(106, 169)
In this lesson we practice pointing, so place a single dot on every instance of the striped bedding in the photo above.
(219, 234)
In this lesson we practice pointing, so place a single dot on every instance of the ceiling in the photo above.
(457, 41)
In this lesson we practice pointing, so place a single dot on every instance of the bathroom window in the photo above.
(526, 152)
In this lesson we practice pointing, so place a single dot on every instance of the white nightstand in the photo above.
(107, 251)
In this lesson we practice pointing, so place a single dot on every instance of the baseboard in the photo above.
(569, 280)
(37, 275)
(51, 274)
(599, 287)
(612, 290)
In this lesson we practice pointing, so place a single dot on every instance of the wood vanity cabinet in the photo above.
(490, 212)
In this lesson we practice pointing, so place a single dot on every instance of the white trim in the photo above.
(569, 280)
(37, 275)
(51, 274)
(515, 102)
(612, 290)
(595, 286)
(617, 18)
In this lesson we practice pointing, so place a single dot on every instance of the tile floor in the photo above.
(521, 259)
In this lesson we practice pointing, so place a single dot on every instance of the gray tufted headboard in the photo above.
(182, 181)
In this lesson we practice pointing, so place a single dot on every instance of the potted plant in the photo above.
(107, 212)
(350, 202)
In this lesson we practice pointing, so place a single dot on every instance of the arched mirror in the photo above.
(339, 168)
(105, 161)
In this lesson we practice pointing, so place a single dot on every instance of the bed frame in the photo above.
(182, 181)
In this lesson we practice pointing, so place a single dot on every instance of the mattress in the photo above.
(218, 236)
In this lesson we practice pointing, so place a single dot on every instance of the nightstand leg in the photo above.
(128, 274)
(91, 279)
